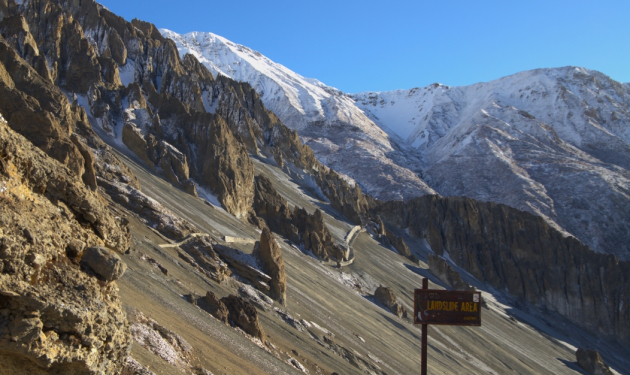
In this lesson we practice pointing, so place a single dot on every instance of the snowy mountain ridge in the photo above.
(340, 133)
(541, 92)
(555, 142)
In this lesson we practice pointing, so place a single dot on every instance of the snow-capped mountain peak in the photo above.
(327, 119)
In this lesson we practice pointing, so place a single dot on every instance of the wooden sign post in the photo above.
(444, 307)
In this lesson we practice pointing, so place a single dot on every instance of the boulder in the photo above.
(592, 362)
(270, 257)
(104, 262)
(244, 315)
(386, 296)
(214, 306)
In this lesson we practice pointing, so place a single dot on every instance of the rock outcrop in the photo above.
(388, 239)
(269, 255)
(104, 262)
(386, 296)
(244, 315)
(54, 318)
(34, 106)
(592, 362)
(215, 307)
(399, 244)
(298, 225)
(245, 268)
(519, 252)
(439, 267)
(148, 209)
(201, 254)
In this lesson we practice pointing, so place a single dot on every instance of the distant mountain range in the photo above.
(554, 142)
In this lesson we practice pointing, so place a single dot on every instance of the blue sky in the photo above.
(372, 45)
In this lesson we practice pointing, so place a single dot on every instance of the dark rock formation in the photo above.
(592, 362)
(269, 255)
(519, 252)
(273, 209)
(54, 317)
(214, 306)
(386, 296)
(388, 239)
(244, 315)
(443, 271)
(104, 262)
(399, 244)
(381, 231)
(298, 225)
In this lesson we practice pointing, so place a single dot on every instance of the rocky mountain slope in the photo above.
(56, 316)
(118, 154)
(327, 120)
(553, 142)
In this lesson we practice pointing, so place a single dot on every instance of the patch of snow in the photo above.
(208, 103)
(127, 72)
(207, 195)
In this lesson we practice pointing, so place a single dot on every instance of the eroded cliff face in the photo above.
(519, 252)
(135, 86)
(54, 316)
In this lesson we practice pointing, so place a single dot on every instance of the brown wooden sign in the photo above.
(446, 307)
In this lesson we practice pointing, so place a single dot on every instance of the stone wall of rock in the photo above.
(519, 252)
(54, 317)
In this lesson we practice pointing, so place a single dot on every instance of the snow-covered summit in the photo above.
(340, 133)
(297, 100)
(418, 115)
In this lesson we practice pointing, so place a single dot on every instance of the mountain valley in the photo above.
(183, 205)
